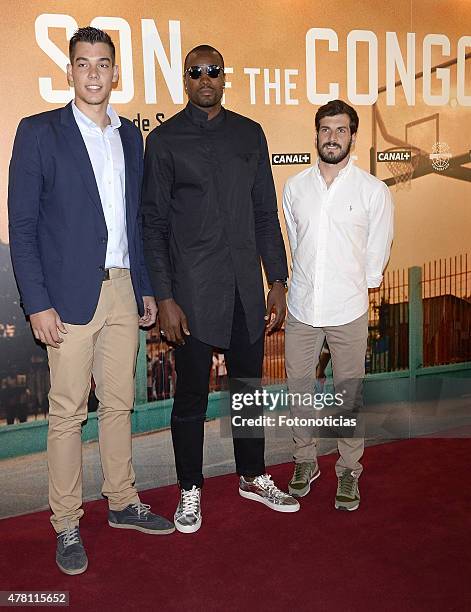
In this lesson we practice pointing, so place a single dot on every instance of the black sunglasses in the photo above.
(213, 71)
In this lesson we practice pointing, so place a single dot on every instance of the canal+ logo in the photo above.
(283, 159)
(394, 155)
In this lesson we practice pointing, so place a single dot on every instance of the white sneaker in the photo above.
(187, 516)
(264, 490)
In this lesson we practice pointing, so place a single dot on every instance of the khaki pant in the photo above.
(107, 348)
(303, 344)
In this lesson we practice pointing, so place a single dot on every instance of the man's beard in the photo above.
(333, 157)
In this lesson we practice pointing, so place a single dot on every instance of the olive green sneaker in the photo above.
(348, 493)
(303, 475)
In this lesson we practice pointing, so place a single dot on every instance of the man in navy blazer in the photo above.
(76, 247)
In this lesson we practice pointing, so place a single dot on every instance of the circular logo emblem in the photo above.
(440, 156)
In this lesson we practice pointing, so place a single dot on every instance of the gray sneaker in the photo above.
(264, 490)
(70, 553)
(348, 493)
(138, 516)
(188, 513)
(303, 475)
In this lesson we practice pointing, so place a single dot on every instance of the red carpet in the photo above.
(408, 547)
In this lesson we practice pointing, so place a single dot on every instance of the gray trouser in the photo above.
(303, 344)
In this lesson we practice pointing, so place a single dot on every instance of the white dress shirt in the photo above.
(105, 151)
(340, 239)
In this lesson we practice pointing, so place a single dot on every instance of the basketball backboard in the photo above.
(413, 141)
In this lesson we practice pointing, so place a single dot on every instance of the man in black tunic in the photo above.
(210, 215)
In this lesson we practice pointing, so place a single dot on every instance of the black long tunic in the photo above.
(209, 216)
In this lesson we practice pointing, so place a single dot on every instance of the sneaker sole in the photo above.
(143, 529)
(308, 489)
(188, 528)
(342, 507)
(72, 572)
(262, 500)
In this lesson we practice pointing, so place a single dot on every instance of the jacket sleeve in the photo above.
(156, 201)
(24, 196)
(146, 287)
(268, 235)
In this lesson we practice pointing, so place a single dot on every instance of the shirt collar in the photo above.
(200, 117)
(85, 122)
(344, 170)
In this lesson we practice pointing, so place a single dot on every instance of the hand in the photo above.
(46, 325)
(173, 321)
(150, 311)
(276, 307)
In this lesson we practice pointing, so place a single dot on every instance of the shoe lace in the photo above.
(190, 500)
(71, 536)
(301, 471)
(347, 484)
(265, 482)
(141, 509)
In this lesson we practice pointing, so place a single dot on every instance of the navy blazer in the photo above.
(58, 235)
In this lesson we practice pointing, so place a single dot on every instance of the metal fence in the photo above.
(446, 297)
(445, 311)
(388, 325)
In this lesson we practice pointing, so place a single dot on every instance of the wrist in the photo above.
(279, 281)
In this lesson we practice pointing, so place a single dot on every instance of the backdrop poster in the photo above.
(405, 67)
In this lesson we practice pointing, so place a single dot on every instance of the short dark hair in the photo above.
(338, 107)
(204, 49)
(92, 36)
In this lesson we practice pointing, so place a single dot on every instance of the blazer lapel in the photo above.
(79, 151)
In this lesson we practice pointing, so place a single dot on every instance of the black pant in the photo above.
(193, 364)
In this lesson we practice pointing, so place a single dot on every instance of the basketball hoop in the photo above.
(403, 170)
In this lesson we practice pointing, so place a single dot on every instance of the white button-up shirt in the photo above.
(105, 151)
(340, 239)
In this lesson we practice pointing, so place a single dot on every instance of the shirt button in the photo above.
(103, 241)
